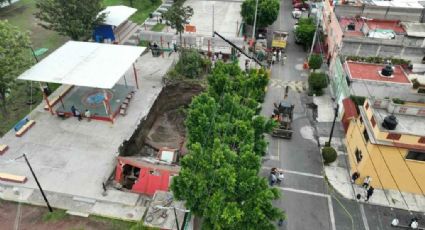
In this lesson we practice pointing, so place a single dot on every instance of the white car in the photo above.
(296, 13)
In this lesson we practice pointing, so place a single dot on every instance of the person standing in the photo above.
(369, 193)
(354, 177)
(87, 114)
(78, 115)
(73, 109)
(366, 182)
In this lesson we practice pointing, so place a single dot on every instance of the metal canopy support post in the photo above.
(177, 221)
(107, 105)
(46, 99)
(135, 76)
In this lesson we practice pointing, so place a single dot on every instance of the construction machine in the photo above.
(283, 114)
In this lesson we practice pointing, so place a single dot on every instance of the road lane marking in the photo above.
(331, 213)
(304, 192)
(297, 173)
(366, 225)
(328, 197)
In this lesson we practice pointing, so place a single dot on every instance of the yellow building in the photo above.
(392, 153)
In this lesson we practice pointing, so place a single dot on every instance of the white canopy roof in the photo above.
(116, 15)
(87, 64)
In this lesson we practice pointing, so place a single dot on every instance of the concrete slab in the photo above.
(73, 158)
(340, 180)
(119, 211)
(227, 17)
(325, 111)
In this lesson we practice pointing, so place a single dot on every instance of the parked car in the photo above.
(296, 13)
(301, 6)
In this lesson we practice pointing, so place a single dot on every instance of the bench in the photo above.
(3, 149)
(22, 126)
(53, 101)
(12, 178)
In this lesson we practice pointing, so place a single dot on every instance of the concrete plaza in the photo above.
(73, 158)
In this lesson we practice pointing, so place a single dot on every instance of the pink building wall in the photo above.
(333, 30)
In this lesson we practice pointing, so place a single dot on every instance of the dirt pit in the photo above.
(164, 125)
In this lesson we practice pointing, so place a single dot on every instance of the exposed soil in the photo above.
(164, 125)
(31, 218)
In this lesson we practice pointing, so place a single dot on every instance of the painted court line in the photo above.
(298, 173)
(331, 213)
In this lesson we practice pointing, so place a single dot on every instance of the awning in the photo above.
(116, 15)
(87, 64)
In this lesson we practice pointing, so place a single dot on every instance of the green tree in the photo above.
(316, 82)
(305, 31)
(219, 177)
(315, 61)
(5, 1)
(14, 53)
(267, 12)
(73, 18)
(178, 16)
(191, 64)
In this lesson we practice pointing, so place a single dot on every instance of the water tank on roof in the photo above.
(390, 122)
(387, 71)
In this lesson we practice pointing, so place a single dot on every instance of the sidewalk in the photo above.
(338, 174)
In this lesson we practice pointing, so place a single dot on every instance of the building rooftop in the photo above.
(407, 124)
(393, 3)
(371, 72)
(371, 27)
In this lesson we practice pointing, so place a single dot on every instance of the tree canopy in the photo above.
(73, 18)
(219, 177)
(14, 53)
(178, 16)
(315, 61)
(267, 12)
(305, 31)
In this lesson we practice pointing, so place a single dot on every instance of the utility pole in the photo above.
(175, 216)
(314, 39)
(255, 20)
(213, 18)
(333, 124)
(38, 184)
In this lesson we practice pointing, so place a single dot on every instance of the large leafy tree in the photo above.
(267, 12)
(178, 16)
(73, 18)
(14, 58)
(219, 178)
(305, 31)
(5, 1)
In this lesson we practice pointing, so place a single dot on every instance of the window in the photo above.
(359, 155)
(421, 140)
(366, 105)
(365, 135)
(402, 110)
(393, 136)
(415, 155)
(361, 120)
(372, 120)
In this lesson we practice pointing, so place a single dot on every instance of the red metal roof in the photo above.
(367, 71)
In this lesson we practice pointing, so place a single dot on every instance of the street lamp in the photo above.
(255, 20)
(175, 213)
(336, 108)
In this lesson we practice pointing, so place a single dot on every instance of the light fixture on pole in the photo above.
(175, 213)
(336, 108)
(255, 20)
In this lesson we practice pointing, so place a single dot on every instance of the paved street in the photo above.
(308, 201)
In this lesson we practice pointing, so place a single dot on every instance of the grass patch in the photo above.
(158, 27)
(144, 7)
(113, 223)
(55, 216)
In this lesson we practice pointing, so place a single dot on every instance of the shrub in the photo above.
(190, 64)
(415, 83)
(329, 154)
(316, 82)
(315, 61)
(398, 101)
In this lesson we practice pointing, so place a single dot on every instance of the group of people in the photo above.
(366, 185)
(76, 113)
(278, 56)
(276, 176)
